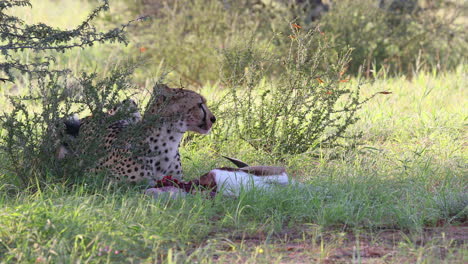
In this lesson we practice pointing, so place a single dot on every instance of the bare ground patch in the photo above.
(310, 245)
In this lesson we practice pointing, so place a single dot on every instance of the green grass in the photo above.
(400, 197)
(409, 179)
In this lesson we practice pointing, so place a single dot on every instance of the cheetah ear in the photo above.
(238, 163)
(160, 90)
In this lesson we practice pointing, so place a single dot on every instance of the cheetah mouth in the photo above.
(204, 128)
(201, 128)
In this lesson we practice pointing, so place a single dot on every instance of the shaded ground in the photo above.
(433, 245)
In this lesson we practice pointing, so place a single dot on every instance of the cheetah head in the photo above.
(187, 109)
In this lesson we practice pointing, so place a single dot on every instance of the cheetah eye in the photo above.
(200, 105)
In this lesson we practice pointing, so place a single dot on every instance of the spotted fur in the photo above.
(148, 150)
(127, 109)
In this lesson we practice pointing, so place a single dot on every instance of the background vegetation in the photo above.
(395, 194)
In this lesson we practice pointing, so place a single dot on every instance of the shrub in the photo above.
(34, 129)
(301, 105)
(400, 37)
(30, 132)
(187, 36)
(396, 36)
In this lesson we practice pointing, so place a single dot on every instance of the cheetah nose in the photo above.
(213, 119)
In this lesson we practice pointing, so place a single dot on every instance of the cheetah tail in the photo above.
(72, 125)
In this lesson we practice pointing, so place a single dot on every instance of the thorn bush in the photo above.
(302, 105)
(32, 130)
(399, 37)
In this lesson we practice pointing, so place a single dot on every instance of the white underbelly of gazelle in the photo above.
(230, 183)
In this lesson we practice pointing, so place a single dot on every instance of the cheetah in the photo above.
(128, 109)
(148, 150)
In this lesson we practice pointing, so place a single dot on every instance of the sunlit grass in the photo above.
(407, 178)
(63, 14)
